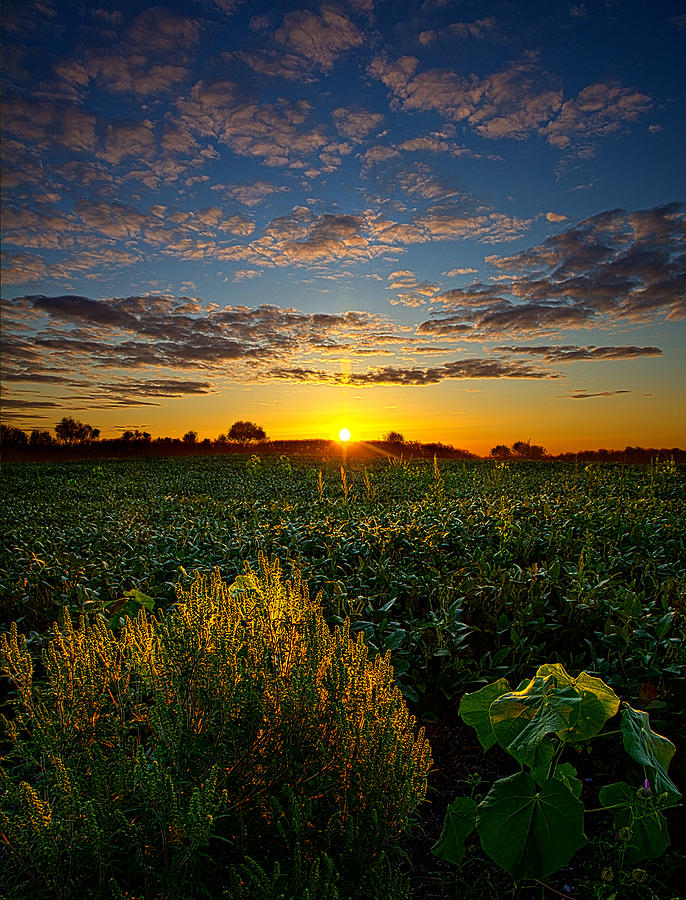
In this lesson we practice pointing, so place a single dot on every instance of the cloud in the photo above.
(572, 353)
(275, 64)
(583, 395)
(410, 291)
(273, 132)
(142, 332)
(453, 224)
(464, 270)
(378, 154)
(614, 268)
(43, 123)
(555, 217)
(478, 29)
(397, 375)
(355, 124)
(319, 39)
(140, 62)
(517, 102)
(599, 109)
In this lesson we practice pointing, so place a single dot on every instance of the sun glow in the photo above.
(344, 434)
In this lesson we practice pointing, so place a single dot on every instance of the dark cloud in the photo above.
(584, 395)
(14, 403)
(571, 353)
(613, 268)
(397, 375)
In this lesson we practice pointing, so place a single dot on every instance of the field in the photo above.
(466, 571)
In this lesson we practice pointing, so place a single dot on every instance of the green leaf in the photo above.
(566, 773)
(530, 831)
(650, 749)
(394, 639)
(140, 598)
(474, 710)
(522, 719)
(545, 751)
(598, 701)
(640, 813)
(459, 823)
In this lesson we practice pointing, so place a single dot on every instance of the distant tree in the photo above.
(71, 431)
(221, 440)
(501, 451)
(39, 438)
(135, 435)
(394, 437)
(244, 432)
(527, 450)
(11, 436)
(190, 437)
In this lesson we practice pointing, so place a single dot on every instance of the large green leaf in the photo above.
(598, 701)
(522, 719)
(474, 710)
(545, 753)
(459, 823)
(639, 813)
(530, 831)
(650, 749)
(566, 773)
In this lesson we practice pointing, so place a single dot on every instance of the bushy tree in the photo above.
(527, 450)
(190, 437)
(11, 436)
(39, 438)
(394, 437)
(71, 431)
(135, 435)
(244, 432)
(501, 451)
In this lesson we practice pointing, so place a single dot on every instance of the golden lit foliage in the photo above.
(199, 729)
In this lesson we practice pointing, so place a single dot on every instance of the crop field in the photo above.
(468, 572)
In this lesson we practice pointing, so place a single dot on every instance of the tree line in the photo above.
(81, 438)
(71, 432)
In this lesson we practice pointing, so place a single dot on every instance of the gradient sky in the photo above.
(459, 220)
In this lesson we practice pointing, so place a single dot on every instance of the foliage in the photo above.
(467, 576)
(39, 438)
(244, 432)
(190, 437)
(71, 431)
(532, 822)
(136, 435)
(235, 741)
(394, 437)
(11, 436)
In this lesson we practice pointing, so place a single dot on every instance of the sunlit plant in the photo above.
(532, 823)
(235, 741)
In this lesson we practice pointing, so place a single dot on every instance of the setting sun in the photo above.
(344, 434)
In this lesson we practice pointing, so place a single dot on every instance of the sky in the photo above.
(461, 221)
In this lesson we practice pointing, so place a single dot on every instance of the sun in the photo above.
(344, 434)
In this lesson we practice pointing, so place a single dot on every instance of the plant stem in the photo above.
(548, 887)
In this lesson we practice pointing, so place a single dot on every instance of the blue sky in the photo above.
(458, 220)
